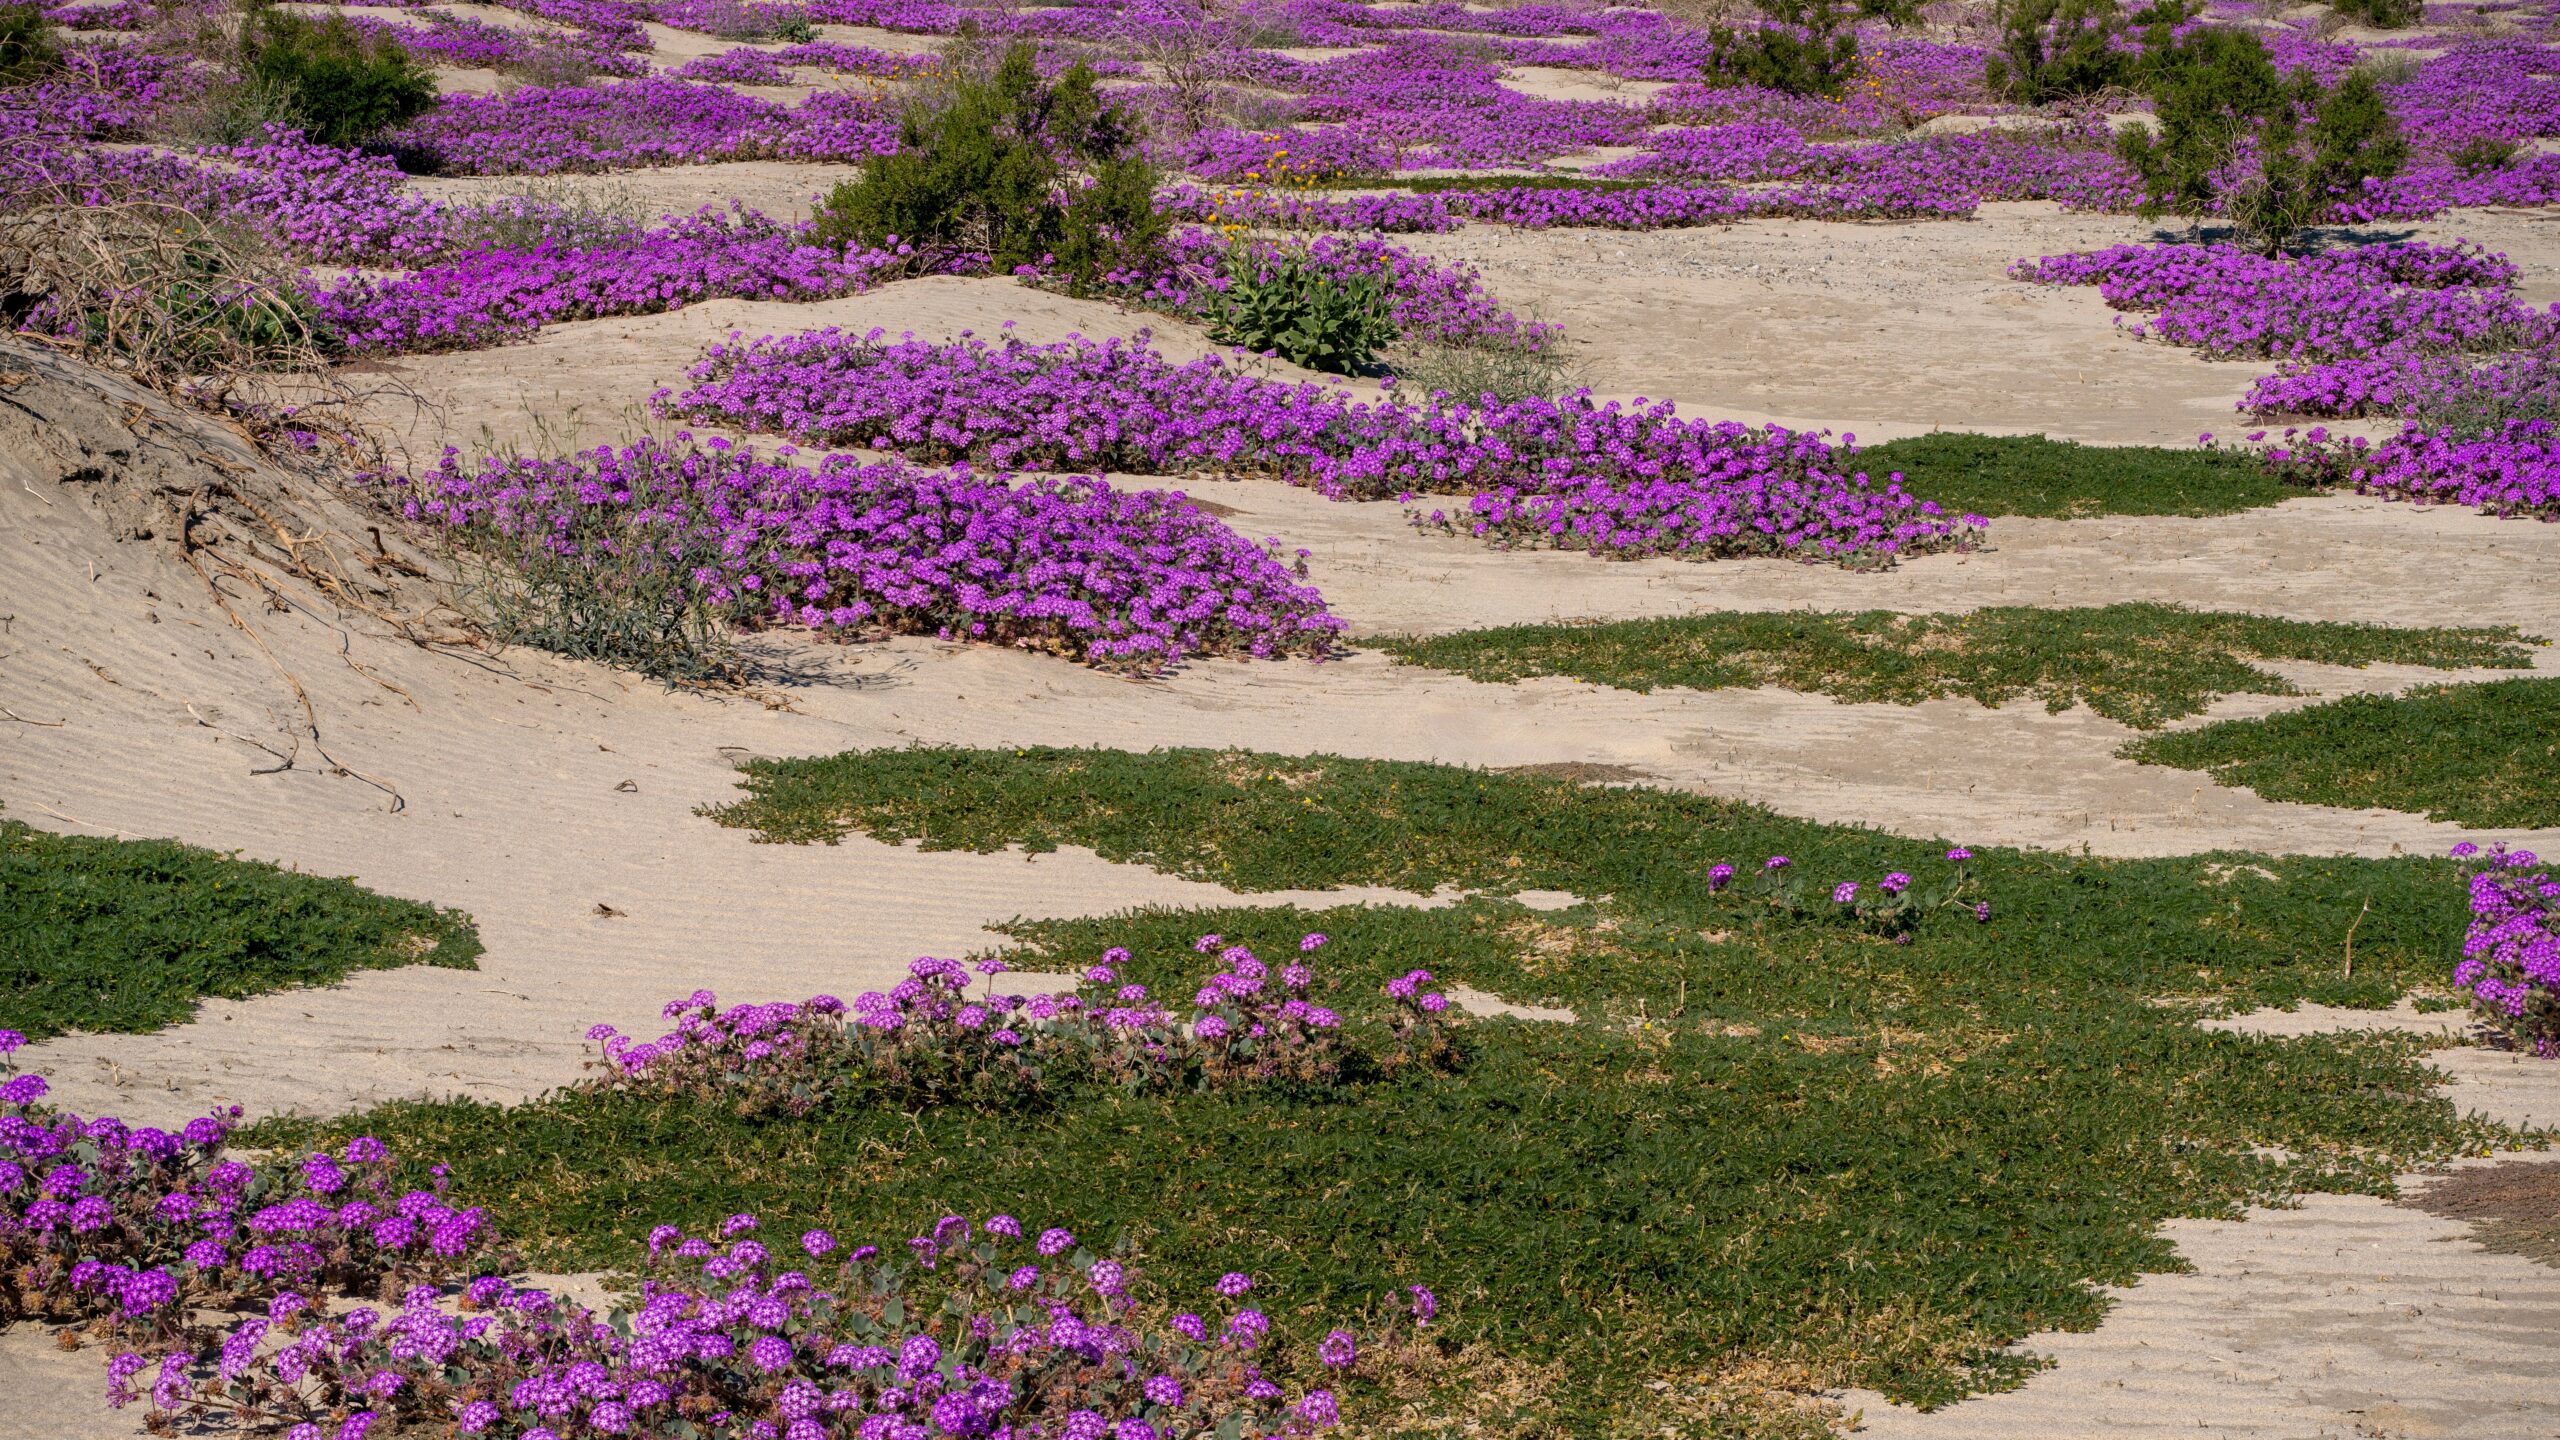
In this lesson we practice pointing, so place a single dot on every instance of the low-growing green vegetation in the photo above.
(1775, 1149)
(2483, 755)
(127, 935)
(2142, 664)
(2037, 478)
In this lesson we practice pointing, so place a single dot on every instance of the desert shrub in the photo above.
(2483, 154)
(1009, 169)
(590, 592)
(2057, 50)
(1804, 47)
(2390, 67)
(1507, 373)
(341, 85)
(2380, 14)
(2232, 140)
(27, 49)
(154, 291)
(1279, 301)
(550, 67)
(571, 213)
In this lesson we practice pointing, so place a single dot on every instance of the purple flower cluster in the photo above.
(653, 120)
(1116, 577)
(931, 1036)
(464, 43)
(2427, 332)
(2231, 304)
(2509, 469)
(2511, 954)
(754, 65)
(136, 1225)
(972, 1330)
(1892, 907)
(490, 296)
(1616, 481)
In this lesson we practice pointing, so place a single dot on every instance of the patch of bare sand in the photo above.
(1557, 82)
(498, 15)
(467, 82)
(783, 189)
(670, 47)
(1890, 329)
(2347, 1316)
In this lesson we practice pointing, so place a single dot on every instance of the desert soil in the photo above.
(556, 802)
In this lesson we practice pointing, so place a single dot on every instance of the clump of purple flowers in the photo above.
(971, 1330)
(1892, 906)
(1136, 579)
(934, 1035)
(2430, 333)
(1616, 481)
(136, 1226)
(2511, 955)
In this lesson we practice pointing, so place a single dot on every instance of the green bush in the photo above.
(342, 86)
(981, 168)
(2380, 14)
(2232, 140)
(2481, 155)
(27, 49)
(587, 594)
(1807, 47)
(2057, 50)
(1282, 301)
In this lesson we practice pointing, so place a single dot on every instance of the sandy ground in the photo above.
(540, 795)
(1891, 328)
(2348, 1316)
(782, 189)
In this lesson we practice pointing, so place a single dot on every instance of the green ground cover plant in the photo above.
(2029, 475)
(1776, 1149)
(127, 935)
(2484, 755)
(2141, 664)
